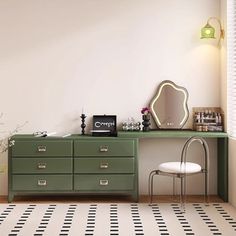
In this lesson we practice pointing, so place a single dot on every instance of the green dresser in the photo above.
(74, 165)
(106, 165)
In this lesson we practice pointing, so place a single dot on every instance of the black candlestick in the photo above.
(83, 125)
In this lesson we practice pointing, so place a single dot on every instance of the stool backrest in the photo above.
(204, 146)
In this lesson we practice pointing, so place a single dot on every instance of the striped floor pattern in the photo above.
(111, 219)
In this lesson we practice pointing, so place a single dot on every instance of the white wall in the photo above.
(106, 57)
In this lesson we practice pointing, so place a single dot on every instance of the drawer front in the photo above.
(58, 148)
(103, 182)
(41, 182)
(104, 165)
(104, 148)
(42, 165)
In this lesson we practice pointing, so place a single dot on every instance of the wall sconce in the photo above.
(208, 31)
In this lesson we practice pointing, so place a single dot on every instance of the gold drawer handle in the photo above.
(42, 148)
(103, 182)
(103, 165)
(42, 182)
(41, 165)
(103, 148)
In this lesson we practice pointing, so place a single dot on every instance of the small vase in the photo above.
(146, 122)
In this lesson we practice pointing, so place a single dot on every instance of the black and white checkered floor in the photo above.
(121, 219)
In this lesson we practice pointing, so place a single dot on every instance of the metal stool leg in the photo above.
(182, 194)
(150, 185)
(174, 193)
(206, 187)
(174, 188)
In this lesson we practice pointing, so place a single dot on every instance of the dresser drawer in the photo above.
(103, 182)
(104, 165)
(38, 165)
(55, 148)
(41, 182)
(104, 148)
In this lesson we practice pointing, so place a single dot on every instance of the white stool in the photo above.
(182, 169)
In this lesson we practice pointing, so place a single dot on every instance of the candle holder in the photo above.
(83, 125)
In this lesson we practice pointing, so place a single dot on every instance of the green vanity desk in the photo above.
(91, 165)
(222, 150)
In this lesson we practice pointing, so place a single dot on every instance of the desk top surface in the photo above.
(171, 134)
(140, 135)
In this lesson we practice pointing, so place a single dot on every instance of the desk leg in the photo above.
(222, 171)
(135, 194)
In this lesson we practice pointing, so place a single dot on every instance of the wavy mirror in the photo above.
(169, 106)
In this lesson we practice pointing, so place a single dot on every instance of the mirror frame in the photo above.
(185, 106)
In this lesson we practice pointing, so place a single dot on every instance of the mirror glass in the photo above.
(169, 106)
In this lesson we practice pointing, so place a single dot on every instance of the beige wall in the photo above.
(106, 57)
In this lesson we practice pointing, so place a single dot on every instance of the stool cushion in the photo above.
(176, 167)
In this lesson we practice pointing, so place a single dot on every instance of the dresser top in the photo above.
(136, 134)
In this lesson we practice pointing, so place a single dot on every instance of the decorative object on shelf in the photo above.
(131, 125)
(83, 125)
(104, 125)
(208, 31)
(208, 119)
(40, 134)
(45, 134)
(169, 106)
(146, 119)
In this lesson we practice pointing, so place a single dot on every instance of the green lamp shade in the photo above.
(207, 32)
